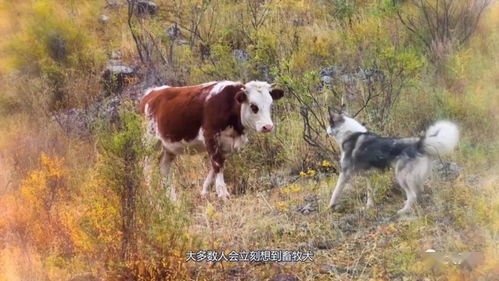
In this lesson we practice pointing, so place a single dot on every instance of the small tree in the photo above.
(121, 152)
(441, 25)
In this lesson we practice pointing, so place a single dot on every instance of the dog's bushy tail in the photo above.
(440, 138)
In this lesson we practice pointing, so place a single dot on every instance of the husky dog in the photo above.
(363, 152)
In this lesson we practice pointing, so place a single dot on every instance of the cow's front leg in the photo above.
(217, 164)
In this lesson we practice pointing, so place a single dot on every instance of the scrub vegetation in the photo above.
(76, 205)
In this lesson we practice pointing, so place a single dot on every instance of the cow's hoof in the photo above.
(204, 194)
(223, 196)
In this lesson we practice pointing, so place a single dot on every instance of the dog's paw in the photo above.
(336, 208)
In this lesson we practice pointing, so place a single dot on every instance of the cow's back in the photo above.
(176, 111)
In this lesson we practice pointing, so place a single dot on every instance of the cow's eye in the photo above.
(254, 108)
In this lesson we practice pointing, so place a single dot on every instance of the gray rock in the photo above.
(173, 32)
(327, 80)
(103, 19)
(80, 123)
(146, 8)
(116, 76)
(311, 205)
(348, 223)
(120, 69)
(323, 244)
(113, 4)
(472, 180)
(307, 209)
(331, 268)
(284, 277)
(347, 78)
(108, 110)
(241, 55)
(352, 81)
(332, 71)
(446, 171)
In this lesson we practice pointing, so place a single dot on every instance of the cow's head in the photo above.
(256, 100)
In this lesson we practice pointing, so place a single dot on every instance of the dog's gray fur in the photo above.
(363, 151)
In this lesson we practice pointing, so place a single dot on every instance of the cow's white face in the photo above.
(256, 101)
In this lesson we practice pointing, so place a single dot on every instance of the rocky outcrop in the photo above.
(146, 8)
(103, 19)
(173, 32)
(351, 80)
(241, 55)
(335, 73)
(117, 75)
(119, 85)
(446, 171)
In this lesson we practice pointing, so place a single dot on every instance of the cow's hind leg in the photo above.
(165, 170)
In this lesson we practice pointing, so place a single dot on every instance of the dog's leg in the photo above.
(208, 182)
(403, 178)
(411, 198)
(342, 181)
(370, 200)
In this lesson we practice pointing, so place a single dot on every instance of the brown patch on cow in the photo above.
(180, 112)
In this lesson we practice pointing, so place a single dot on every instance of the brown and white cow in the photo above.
(210, 117)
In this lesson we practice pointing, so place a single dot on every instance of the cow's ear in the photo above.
(241, 97)
(276, 94)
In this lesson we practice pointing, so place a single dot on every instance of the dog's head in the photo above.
(336, 121)
(341, 126)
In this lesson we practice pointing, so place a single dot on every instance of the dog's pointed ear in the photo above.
(335, 117)
(330, 110)
(276, 93)
(343, 109)
(241, 96)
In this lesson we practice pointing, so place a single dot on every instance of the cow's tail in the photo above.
(440, 138)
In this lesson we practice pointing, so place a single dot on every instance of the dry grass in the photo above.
(361, 244)
(453, 217)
